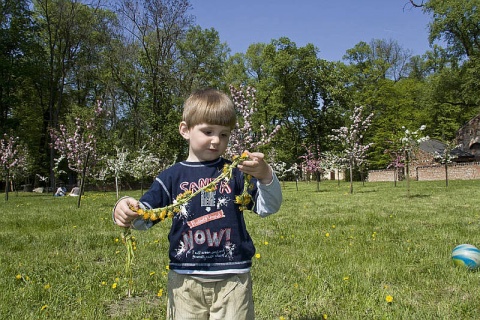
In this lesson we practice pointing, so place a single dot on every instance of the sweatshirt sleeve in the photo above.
(269, 197)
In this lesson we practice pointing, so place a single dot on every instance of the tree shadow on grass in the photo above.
(418, 196)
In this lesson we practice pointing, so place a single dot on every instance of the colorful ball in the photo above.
(466, 255)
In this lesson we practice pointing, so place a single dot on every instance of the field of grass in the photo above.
(373, 254)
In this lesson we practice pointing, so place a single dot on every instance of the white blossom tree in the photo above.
(118, 166)
(351, 139)
(410, 142)
(242, 137)
(146, 164)
(445, 157)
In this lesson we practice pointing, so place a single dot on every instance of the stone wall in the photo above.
(456, 171)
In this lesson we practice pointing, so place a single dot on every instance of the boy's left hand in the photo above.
(257, 167)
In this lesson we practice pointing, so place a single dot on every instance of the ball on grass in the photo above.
(466, 255)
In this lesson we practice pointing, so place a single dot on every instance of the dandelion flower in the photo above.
(47, 286)
(152, 273)
(160, 293)
(257, 255)
(327, 234)
(389, 299)
(114, 285)
(18, 276)
(45, 306)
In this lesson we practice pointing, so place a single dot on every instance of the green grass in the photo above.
(325, 253)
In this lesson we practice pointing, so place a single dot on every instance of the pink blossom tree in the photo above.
(351, 139)
(12, 156)
(78, 146)
(397, 163)
(312, 162)
(243, 137)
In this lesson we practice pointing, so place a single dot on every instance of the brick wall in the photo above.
(381, 175)
(456, 171)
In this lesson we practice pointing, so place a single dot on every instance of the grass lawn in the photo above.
(327, 254)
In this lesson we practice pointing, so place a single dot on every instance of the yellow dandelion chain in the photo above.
(243, 200)
(169, 211)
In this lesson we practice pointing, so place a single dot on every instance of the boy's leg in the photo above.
(186, 299)
(233, 299)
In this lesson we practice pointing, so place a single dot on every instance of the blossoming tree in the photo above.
(334, 161)
(12, 156)
(243, 137)
(312, 162)
(410, 142)
(445, 157)
(146, 164)
(118, 166)
(77, 146)
(351, 139)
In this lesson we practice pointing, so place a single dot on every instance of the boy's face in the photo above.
(206, 141)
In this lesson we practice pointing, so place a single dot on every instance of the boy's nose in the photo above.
(215, 140)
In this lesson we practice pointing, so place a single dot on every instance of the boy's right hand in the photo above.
(122, 213)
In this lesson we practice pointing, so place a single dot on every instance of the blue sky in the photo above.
(333, 26)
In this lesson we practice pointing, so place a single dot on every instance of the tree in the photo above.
(201, 60)
(118, 165)
(398, 162)
(155, 27)
(351, 139)
(456, 23)
(410, 142)
(243, 137)
(17, 45)
(146, 164)
(78, 146)
(445, 157)
(12, 155)
(72, 34)
(312, 163)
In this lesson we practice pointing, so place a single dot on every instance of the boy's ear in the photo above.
(183, 129)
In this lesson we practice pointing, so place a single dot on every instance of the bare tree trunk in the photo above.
(82, 185)
(446, 174)
(6, 183)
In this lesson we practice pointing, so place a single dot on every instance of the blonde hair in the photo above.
(209, 106)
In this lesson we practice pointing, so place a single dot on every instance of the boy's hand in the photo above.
(257, 167)
(123, 214)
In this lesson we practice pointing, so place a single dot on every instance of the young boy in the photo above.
(210, 248)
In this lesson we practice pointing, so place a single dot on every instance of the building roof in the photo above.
(434, 146)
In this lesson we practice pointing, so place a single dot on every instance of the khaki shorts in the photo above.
(229, 299)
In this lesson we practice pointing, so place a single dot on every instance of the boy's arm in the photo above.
(269, 197)
(123, 216)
